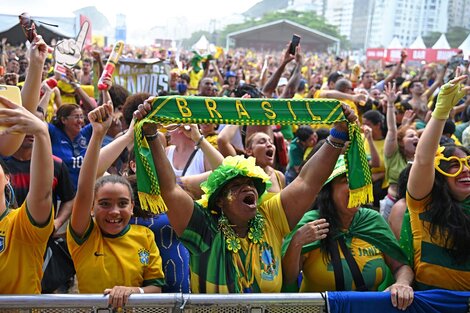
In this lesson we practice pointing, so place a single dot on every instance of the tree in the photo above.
(455, 36)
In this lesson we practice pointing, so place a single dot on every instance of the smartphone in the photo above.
(294, 43)
(12, 93)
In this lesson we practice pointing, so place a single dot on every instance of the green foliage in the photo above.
(455, 36)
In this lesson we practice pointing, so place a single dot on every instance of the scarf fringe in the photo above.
(152, 203)
(360, 196)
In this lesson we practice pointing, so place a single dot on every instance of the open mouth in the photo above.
(270, 153)
(249, 199)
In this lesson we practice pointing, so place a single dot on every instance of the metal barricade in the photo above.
(167, 303)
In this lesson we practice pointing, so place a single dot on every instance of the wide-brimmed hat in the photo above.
(233, 167)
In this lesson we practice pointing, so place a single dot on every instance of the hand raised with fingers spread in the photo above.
(449, 96)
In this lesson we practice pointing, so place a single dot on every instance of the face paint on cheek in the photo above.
(230, 197)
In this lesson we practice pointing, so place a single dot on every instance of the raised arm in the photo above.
(438, 82)
(224, 138)
(421, 177)
(374, 154)
(9, 143)
(299, 195)
(294, 80)
(180, 205)
(19, 120)
(212, 157)
(391, 141)
(271, 85)
(113, 150)
(292, 261)
(100, 118)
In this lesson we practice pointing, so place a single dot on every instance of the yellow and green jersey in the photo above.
(433, 266)
(319, 276)
(22, 247)
(130, 258)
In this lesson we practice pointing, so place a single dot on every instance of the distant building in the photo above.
(458, 13)
(406, 19)
(121, 28)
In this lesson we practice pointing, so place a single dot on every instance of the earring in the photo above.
(9, 195)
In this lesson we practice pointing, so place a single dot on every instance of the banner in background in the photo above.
(417, 55)
(146, 75)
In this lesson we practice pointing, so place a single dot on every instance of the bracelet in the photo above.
(335, 145)
(339, 135)
(151, 137)
(141, 290)
(198, 143)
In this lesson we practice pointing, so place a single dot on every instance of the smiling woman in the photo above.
(110, 255)
(438, 199)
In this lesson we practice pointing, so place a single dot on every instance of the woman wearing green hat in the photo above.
(235, 241)
(342, 248)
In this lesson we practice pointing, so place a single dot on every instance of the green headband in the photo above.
(232, 167)
(204, 110)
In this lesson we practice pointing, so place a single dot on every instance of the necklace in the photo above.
(255, 232)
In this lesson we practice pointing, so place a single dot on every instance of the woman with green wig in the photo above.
(235, 241)
(343, 248)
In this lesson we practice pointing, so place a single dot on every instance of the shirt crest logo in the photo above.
(2, 243)
(144, 256)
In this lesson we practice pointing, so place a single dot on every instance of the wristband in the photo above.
(151, 137)
(141, 290)
(339, 135)
(335, 145)
(198, 143)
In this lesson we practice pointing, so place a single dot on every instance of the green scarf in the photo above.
(197, 59)
(178, 109)
(367, 225)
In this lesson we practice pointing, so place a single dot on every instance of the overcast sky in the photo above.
(140, 15)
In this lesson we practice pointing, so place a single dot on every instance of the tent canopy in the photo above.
(395, 44)
(465, 47)
(441, 43)
(202, 44)
(275, 35)
(418, 43)
(11, 29)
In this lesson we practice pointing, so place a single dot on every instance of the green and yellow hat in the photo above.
(232, 167)
(340, 169)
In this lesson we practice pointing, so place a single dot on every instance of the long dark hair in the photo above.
(328, 211)
(446, 214)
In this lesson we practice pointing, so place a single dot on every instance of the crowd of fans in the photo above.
(276, 217)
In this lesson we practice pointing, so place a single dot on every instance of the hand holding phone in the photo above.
(13, 94)
(294, 43)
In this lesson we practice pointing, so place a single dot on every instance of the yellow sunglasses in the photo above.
(455, 166)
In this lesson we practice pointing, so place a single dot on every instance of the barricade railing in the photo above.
(171, 303)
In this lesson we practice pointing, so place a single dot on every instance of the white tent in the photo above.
(465, 47)
(202, 45)
(395, 44)
(418, 43)
(441, 43)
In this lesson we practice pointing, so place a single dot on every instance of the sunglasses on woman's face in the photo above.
(451, 166)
